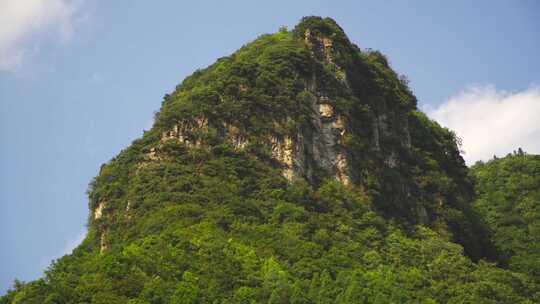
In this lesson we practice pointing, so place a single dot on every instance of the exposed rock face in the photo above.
(189, 133)
(283, 151)
(98, 212)
(326, 110)
(103, 242)
(153, 155)
(342, 167)
(186, 131)
(318, 147)
(322, 48)
(237, 139)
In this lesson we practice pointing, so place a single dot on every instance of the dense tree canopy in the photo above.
(199, 220)
(508, 197)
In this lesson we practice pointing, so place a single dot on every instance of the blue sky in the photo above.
(79, 80)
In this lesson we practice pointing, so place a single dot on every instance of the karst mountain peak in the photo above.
(296, 170)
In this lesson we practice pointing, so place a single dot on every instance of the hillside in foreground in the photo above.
(508, 198)
(296, 170)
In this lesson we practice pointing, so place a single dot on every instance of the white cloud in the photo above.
(492, 122)
(21, 20)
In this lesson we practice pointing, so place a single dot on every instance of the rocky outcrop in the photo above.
(98, 212)
(103, 242)
(322, 144)
(283, 150)
(317, 147)
(187, 132)
(235, 136)
(322, 48)
(320, 147)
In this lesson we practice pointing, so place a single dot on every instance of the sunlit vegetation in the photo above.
(209, 223)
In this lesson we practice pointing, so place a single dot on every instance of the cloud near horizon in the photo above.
(492, 122)
(21, 20)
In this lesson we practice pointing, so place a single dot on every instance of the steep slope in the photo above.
(296, 170)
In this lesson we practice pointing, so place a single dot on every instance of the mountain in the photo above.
(296, 170)
(508, 197)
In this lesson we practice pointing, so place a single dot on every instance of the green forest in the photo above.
(235, 195)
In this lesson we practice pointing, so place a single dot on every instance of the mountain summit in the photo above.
(296, 170)
(313, 105)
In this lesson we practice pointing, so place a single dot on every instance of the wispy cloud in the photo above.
(23, 20)
(492, 122)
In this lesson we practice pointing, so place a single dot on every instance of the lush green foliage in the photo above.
(508, 197)
(276, 243)
(209, 223)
